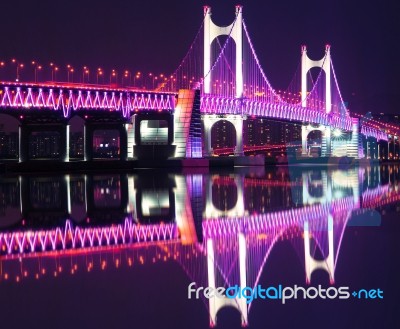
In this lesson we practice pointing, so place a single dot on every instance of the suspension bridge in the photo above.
(220, 78)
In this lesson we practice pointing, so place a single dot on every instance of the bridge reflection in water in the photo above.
(220, 228)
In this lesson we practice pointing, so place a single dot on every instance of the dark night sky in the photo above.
(154, 36)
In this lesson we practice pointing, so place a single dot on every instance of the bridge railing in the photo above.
(221, 105)
(72, 98)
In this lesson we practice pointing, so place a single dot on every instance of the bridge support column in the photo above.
(67, 134)
(23, 143)
(311, 264)
(354, 146)
(88, 142)
(64, 143)
(326, 141)
(215, 303)
(153, 140)
(326, 147)
(130, 130)
(304, 134)
(239, 136)
(212, 31)
(238, 123)
(208, 121)
(123, 142)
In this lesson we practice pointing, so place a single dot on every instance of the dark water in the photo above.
(119, 251)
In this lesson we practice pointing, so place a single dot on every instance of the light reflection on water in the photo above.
(219, 227)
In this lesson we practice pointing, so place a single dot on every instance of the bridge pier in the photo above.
(326, 148)
(215, 303)
(370, 146)
(311, 264)
(208, 122)
(326, 139)
(130, 131)
(354, 146)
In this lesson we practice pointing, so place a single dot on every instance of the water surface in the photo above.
(119, 250)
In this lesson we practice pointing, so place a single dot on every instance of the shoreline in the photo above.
(199, 164)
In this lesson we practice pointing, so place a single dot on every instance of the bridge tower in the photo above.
(215, 303)
(212, 31)
(311, 264)
(306, 65)
(326, 188)
(324, 64)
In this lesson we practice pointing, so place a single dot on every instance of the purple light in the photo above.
(23, 95)
(77, 238)
(222, 105)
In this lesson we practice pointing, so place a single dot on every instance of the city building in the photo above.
(106, 144)
(8, 144)
(76, 145)
(223, 135)
(44, 145)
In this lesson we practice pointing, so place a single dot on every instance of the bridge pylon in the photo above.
(235, 119)
(324, 64)
(212, 31)
(311, 264)
(215, 303)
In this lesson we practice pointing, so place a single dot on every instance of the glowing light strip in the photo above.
(23, 95)
(372, 132)
(222, 105)
(75, 238)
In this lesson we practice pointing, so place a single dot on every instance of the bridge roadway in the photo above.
(48, 107)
